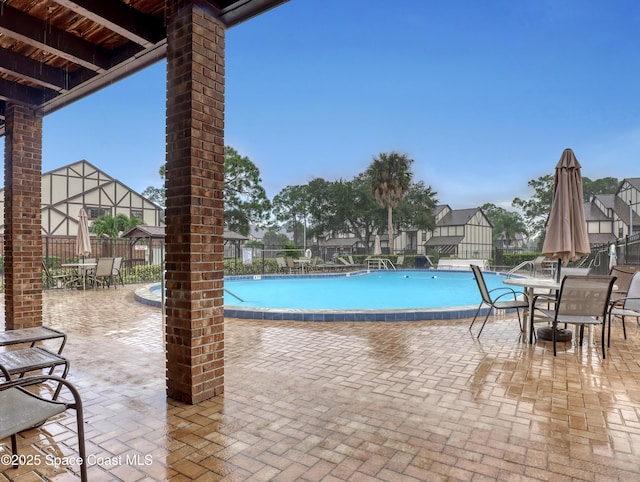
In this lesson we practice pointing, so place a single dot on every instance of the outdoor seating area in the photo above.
(339, 401)
(86, 272)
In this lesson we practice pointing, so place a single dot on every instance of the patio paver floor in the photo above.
(340, 401)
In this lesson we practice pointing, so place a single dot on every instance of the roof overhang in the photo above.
(54, 52)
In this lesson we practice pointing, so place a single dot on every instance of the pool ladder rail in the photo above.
(514, 270)
(234, 295)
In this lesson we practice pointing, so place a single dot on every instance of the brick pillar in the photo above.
(23, 217)
(194, 209)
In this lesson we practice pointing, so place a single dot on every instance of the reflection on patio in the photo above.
(341, 401)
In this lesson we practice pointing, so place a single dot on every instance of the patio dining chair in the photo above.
(582, 301)
(501, 298)
(103, 273)
(21, 408)
(624, 274)
(629, 305)
(117, 271)
(292, 265)
(51, 280)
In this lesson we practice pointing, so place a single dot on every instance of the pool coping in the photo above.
(146, 296)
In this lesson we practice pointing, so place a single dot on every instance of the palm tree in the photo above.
(111, 226)
(390, 177)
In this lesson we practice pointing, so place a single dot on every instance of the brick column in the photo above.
(23, 217)
(194, 209)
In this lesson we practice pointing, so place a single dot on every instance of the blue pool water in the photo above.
(375, 296)
(384, 290)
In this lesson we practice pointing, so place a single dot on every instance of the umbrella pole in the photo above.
(558, 269)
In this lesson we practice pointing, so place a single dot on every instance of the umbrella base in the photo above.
(546, 333)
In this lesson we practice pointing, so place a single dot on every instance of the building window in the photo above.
(136, 213)
(95, 213)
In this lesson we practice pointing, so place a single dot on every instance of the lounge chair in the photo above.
(507, 298)
(353, 263)
(21, 409)
(582, 301)
(349, 263)
(343, 261)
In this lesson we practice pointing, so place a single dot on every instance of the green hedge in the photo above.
(143, 274)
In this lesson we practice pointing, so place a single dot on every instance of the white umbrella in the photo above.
(613, 256)
(83, 242)
(567, 238)
(377, 249)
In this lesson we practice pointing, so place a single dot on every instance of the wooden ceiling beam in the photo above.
(120, 18)
(37, 33)
(31, 70)
(23, 94)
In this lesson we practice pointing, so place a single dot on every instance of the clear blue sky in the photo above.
(483, 95)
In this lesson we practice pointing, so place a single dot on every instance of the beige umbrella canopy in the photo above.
(567, 238)
(83, 242)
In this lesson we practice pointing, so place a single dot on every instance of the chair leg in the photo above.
(476, 315)
(519, 320)
(603, 352)
(485, 320)
(624, 330)
(81, 445)
(14, 450)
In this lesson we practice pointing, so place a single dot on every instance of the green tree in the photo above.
(291, 206)
(536, 210)
(245, 200)
(113, 226)
(156, 195)
(606, 185)
(389, 176)
(345, 207)
(505, 223)
(273, 239)
(416, 211)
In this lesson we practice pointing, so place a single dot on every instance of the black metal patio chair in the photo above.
(501, 298)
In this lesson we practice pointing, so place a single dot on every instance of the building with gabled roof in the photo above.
(613, 216)
(462, 233)
(82, 185)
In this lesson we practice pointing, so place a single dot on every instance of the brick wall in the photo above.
(194, 213)
(23, 218)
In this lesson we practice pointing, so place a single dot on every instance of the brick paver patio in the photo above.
(340, 401)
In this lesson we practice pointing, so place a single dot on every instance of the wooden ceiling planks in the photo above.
(53, 52)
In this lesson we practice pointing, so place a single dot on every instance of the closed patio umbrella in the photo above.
(566, 238)
(377, 249)
(83, 243)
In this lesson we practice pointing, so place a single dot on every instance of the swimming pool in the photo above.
(402, 295)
